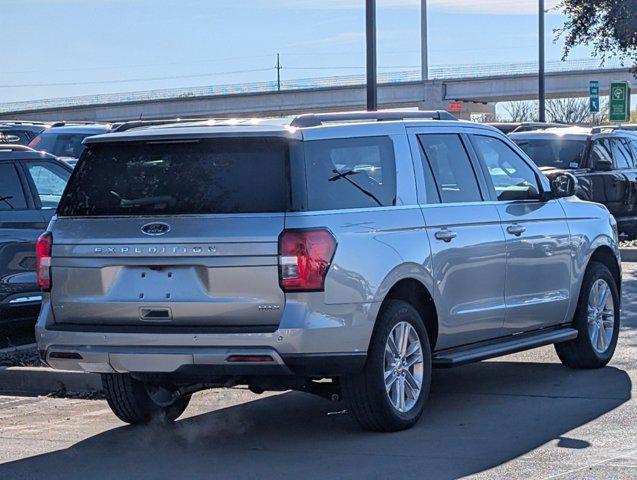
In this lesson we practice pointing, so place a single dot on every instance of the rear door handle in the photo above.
(516, 230)
(445, 235)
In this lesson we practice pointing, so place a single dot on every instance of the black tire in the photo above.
(579, 353)
(365, 392)
(130, 401)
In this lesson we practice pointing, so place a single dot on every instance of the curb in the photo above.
(20, 348)
(629, 254)
(44, 381)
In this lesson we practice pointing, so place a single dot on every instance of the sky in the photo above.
(60, 48)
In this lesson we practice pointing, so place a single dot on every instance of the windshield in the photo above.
(231, 175)
(61, 144)
(556, 153)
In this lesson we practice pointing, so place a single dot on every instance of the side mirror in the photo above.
(603, 165)
(563, 184)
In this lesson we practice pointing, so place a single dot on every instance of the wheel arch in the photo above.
(413, 291)
(605, 255)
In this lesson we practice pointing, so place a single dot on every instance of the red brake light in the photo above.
(43, 255)
(35, 141)
(304, 259)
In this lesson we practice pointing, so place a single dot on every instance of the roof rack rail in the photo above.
(122, 127)
(317, 119)
(605, 128)
(65, 123)
(15, 147)
(21, 122)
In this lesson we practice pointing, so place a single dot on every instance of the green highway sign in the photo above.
(594, 96)
(619, 102)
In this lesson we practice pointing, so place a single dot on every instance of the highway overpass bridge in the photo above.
(476, 86)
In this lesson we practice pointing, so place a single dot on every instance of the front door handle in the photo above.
(516, 230)
(445, 235)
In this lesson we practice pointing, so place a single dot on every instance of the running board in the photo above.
(518, 343)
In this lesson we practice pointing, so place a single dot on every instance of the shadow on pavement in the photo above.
(479, 416)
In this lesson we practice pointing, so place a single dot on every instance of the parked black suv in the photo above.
(519, 127)
(64, 140)
(31, 184)
(20, 132)
(604, 160)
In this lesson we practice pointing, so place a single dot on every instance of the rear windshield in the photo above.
(61, 144)
(557, 153)
(187, 177)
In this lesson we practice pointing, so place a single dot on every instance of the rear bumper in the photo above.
(311, 345)
(206, 361)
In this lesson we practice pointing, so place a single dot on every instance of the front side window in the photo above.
(350, 173)
(451, 167)
(600, 151)
(11, 195)
(49, 180)
(512, 178)
(621, 153)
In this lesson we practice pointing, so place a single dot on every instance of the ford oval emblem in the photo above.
(156, 228)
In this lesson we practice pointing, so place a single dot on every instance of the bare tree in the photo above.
(568, 110)
(521, 111)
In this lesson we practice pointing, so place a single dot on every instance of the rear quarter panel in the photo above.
(376, 248)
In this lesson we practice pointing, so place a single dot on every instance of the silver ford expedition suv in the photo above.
(337, 254)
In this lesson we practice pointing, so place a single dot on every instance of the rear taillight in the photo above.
(35, 141)
(43, 254)
(304, 259)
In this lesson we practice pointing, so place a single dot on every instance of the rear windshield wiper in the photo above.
(345, 176)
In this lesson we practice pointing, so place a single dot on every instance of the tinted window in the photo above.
(601, 151)
(61, 144)
(451, 168)
(512, 178)
(633, 149)
(557, 153)
(11, 195)
(350, 173)
(246, 175)
(621, 155)
(23, 137)
(49, 180)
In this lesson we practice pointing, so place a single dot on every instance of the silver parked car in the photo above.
(337, 254)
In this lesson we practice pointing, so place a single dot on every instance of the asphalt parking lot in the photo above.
(521, 416)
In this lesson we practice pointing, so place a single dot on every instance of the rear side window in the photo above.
(230, 175)
(61, 144)
(11, 195)
(350, 173)
(451, 167)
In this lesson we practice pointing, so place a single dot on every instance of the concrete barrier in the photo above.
(45, 381)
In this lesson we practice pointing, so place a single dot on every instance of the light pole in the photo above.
(424, 48)
(372, 87)
(541, 72)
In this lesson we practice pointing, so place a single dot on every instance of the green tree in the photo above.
(609, 26)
